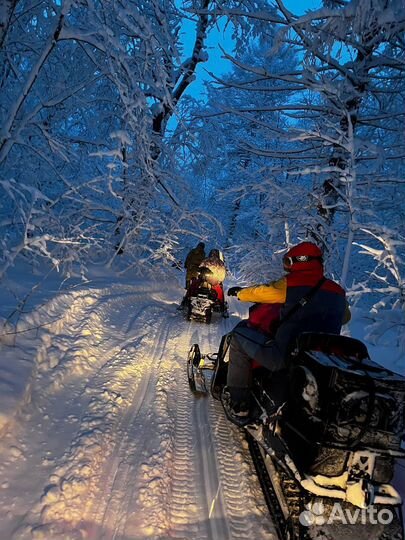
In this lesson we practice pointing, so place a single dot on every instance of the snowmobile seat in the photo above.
(338, 345)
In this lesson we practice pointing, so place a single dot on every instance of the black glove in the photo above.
(233, 291)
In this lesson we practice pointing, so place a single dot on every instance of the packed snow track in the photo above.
(110, 443)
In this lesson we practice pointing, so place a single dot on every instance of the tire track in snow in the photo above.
(164, 502)
(116, 486)
(182, 509)
(215, 509)
(107, 519)
(142, 470)
(72, 487)
(193, 462)
(215, 513)
(239, 494)
(245, 505)
(184, 505)
(227, 502)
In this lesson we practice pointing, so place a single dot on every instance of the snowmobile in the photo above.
(203, 299)
(324, 437)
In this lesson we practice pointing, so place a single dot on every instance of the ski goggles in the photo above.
(289, 261)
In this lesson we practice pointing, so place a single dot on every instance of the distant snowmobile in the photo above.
(202, 299)
(325, 437)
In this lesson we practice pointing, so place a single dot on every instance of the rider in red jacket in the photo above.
(326, 311)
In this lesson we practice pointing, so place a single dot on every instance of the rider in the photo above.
(193, 261)
(322, 308)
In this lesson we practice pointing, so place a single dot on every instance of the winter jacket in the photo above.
(265, 317)
(326, 311)
(217, 270)
(193, 261)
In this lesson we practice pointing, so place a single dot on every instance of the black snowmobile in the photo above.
(324, 437)
(202, 300)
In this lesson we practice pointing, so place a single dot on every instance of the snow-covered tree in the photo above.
(339, 136)
(87, 91)
(246, 185)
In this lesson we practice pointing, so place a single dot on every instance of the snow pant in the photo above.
(248, 344)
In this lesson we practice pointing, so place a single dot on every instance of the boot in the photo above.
(236, 403)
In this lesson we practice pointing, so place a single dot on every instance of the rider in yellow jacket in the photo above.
(325, 311)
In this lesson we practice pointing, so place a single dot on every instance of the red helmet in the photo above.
(304, 256)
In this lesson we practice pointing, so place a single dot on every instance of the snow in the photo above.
(101, 436)
(386, 352)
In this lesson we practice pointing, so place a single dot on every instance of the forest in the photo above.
(106, 156)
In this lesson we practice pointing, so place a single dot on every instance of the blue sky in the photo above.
(222, 37)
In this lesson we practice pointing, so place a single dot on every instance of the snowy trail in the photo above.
(113, 445)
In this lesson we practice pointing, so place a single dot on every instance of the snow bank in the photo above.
(26, 349)
(386, 351)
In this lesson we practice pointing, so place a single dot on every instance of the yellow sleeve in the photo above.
(273, 293)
